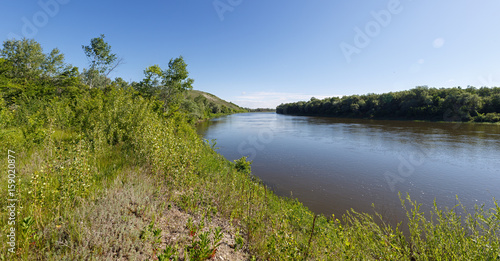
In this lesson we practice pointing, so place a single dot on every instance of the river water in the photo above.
(333, 165)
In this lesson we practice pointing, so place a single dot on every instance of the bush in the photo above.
(242, 165)
(6, 116)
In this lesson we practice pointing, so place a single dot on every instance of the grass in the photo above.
(120, 180)
(192, 94)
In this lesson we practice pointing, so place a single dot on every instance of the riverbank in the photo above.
(90, 192)
(394, 119)
(122, 181)
(216, 115)
(420, 103)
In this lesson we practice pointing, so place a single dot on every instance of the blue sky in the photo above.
(261, 53)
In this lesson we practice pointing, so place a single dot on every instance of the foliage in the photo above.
(169, 85)
(243, 165)
(24, 68)
(99, 55)
(102, 62)
(169, 253)
(203, 247)
(200, 105)
(27, 60)
(95, 166)
(177, 81)
(261, 110)
(6, 115)
(25, 57)
(152, 80)
(420, 103)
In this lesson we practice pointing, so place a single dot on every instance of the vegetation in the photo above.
(202, 105)
(420, 103)
(114, 172)
(102, 62)
(261, 110)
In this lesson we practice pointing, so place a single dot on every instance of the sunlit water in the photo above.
(333, 165)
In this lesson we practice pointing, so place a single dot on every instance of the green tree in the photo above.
(120, 83)
(169, 85)
(54, 64)
(152, 82)
(176, 82)
(102, 62)
(28, 60)
(421, 102)
(25, 57)
(24, 68)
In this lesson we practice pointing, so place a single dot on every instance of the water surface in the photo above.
(333, 164)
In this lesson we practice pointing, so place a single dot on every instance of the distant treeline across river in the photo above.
(420, 103)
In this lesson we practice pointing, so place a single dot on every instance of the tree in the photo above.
(120, 83)
(25, 68)
(169, 85)
(152, 82)
(25, 57)
(54, 64)
(102, 61)
(176, 82)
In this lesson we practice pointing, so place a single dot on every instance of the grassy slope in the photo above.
(192, 94)
(105, 184)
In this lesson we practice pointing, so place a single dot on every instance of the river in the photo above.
(334, 164)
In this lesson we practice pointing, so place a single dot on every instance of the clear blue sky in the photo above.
(260, 53)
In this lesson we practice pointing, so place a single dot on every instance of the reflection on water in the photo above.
(333, 165)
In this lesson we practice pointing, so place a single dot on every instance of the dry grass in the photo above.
(113, 226)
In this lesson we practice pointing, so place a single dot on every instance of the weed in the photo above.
(169, 253)
(204, 248)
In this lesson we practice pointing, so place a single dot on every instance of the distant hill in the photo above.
(202, 105)
(193, 94)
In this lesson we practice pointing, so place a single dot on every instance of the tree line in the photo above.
(420, 103)
(26, 71)
(261, 110)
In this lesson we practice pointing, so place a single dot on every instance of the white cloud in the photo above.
(438, 42)
(272, 99)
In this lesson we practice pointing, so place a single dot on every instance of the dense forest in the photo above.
(420, 103)
(101, 169)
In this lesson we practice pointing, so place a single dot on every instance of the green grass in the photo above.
(109, 167)
(192, 94)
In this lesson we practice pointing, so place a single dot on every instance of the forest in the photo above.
(421, 103)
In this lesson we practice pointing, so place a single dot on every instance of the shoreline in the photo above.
(391, 119)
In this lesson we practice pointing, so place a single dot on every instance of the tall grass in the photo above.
(76, 157)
